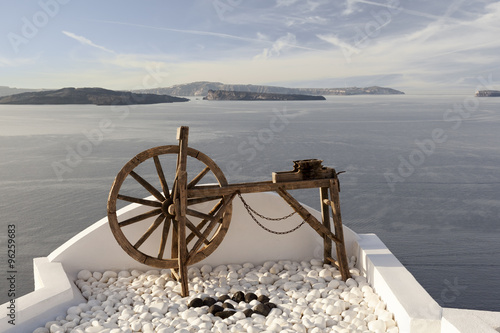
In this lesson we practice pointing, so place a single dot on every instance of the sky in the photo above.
(425, 46)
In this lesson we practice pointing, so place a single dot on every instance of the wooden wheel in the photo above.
(206, 218)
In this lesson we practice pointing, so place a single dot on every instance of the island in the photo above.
(201, 88)
(488, 93)
(225, 95)
(97, 96)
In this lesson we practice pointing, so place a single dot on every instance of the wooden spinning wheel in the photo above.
(191, 219)
(204, 237)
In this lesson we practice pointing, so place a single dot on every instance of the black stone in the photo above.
(215, 308)
(271, 305)
(250, 297)
(228, 306)
(262, 309)
(263, 299)
(225, 314)
(195, 303)
(223, 298)
(238, 296)
(248, 312)
(209, 301)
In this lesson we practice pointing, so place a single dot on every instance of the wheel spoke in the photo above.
(198, 214)
(140, 217)
(224, 205)
(198, 177)
(147, 186)
(202, 200)
(140, 201)
(200, 226)
(164, 237)
(150, 230)
(161, 176)
(204, 221)
(196, 231)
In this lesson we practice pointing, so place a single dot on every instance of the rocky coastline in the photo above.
(224, 95)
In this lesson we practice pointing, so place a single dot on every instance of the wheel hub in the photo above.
(167, 208)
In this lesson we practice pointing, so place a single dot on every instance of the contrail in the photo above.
(207, 33)
(86, 41)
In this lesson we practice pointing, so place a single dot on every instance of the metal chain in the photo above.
(251, 212)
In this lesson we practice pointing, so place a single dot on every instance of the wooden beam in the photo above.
(256, 187)
(311, 220)
(325, 216)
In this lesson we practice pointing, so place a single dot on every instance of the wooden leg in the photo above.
(337, 222)
(325, 216)
(181, 205)
(311, 220)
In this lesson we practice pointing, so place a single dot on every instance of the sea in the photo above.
(421, 171)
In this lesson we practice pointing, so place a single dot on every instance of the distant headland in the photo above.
(488, 93)
(225, 95)
(97, 96)
(201, 88)
(210, 91)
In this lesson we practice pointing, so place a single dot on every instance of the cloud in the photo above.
(86, 41)
(280, 44)
(285, 3)
(7, 62)
(350, 7)
(334, 40)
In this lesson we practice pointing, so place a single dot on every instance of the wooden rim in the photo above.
(202, 237)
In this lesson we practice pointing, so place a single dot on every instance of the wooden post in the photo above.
(181, 204)
(321, 229)
(325, 216)
(337, 222)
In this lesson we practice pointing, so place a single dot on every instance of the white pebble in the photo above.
(84, 275)
(311, 298)
(377, 325)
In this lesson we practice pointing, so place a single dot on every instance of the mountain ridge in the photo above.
(201, 88)
(97, 96)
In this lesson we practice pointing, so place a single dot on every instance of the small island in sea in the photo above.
(225, 95)
(97, 96)
(488, 93)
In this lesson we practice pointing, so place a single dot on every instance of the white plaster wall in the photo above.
(54, 293)
(414, 309)
(96, 249)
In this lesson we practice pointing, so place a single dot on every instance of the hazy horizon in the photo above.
(417, 47)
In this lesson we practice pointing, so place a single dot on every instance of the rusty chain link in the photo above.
(251, 212)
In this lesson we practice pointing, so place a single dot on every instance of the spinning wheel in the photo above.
(185, 221)
(205, 235)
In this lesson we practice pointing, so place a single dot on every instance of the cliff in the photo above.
(97, 96)
(488, 93)
(224, 95)
(201, 88)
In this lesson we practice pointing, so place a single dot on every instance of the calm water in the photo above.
(422, 172)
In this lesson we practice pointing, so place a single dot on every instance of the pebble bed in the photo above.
(305, 296)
